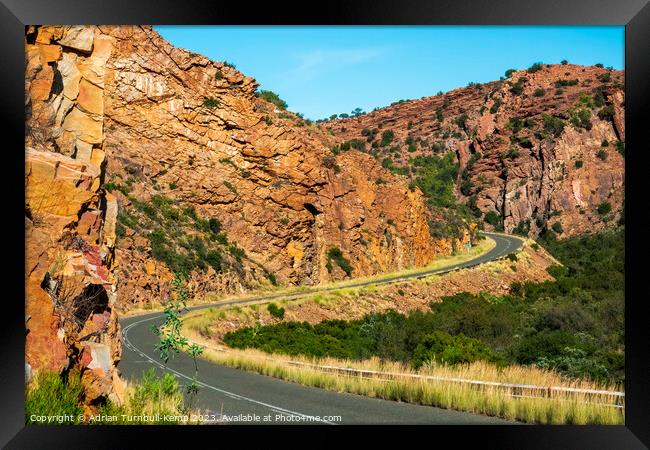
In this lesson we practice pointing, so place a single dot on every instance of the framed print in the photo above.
(408, 215)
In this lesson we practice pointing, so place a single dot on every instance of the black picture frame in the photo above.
(633, 14)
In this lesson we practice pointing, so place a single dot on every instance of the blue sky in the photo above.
(324, 70)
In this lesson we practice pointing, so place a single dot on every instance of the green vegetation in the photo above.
(604, 208)
(522, 228)
(578, 164)
(211, 102)
(335, 254)
(435, 176)
(272, 97)
(123, 188)
(495, 106)
(229, 64)
(573, 325)
(580, 117)
(386, 138)
(461, 120)
(178, 236)
(604, 77)
(509, 72)
(275, 311)
(170, 339)
(606, 113)
(601, 154)
(55, 395)
(535, 67)
(539, 92)
(553, 125)
(518, 87)
(620, 147)
(564, 83)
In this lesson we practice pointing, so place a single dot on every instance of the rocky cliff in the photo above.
(70, 315)
(209, 179)
(541, 150)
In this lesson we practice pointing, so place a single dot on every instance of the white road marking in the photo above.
(276, 408)
(232, 395)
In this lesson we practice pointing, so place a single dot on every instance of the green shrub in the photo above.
(211, 102)
(604, 77)
(335, 254)
(580, 118)
(535, 67)
(276, 311)
(386, 138)
(606, 113)
(52, 394)
(620, 147)
(495, 106)
(557, 227)
(601, 154)
(604, 208)
(518, 87)
(539, 92)
(522, 228)
(564, 83)
(443, 348)
(214, 225)
(493, 218)
(578, 164)
(272, 97)
(461, 120)
(553, 125)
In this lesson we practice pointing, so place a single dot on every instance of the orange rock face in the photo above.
(169, 126)
(182, 126)
(70, 302)
(511, 160)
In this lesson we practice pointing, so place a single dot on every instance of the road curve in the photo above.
(244, 397)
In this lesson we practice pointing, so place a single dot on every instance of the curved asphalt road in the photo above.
(237, 396)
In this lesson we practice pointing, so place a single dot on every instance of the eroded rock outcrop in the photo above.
(70, 316)
(210, 179)
(541, 150)
(192, 130)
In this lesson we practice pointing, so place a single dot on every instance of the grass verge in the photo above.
(151, 401)
(487, 400)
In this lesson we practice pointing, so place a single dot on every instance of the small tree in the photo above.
(171, 341)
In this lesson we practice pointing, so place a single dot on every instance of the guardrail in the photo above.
(515, 390)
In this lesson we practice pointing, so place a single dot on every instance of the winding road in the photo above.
(236, 396)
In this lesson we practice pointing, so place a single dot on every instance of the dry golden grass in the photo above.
(561, 408)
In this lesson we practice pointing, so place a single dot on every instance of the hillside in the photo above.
(539, 150)
(210, 179)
